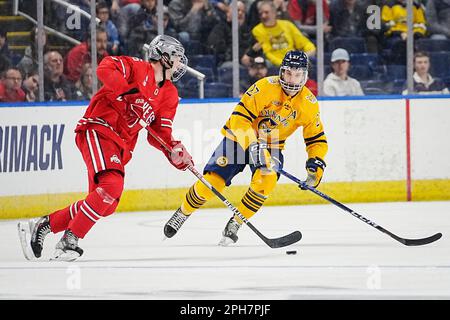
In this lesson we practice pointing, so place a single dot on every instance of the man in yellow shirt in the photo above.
(277, 37)
(267, 114)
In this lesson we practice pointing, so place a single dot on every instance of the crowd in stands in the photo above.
(360, 58)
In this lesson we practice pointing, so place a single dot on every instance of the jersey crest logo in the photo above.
(222, 161)
(311, 98)
(115, 159)
(266, 125)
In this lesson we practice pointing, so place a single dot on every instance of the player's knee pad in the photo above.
(110, 186)
(263, 182)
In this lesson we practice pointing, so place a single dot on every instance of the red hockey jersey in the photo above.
(114, 118)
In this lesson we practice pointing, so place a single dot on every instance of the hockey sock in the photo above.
(261, 186)
(59, 220)
(199, 194)
(101, 202)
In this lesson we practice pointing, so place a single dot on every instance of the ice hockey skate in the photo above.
(174, 224)
(67, 248)
(32, 235)
(229, 234)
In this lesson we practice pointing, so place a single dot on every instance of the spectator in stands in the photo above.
(348, 19)
(338, 83)
(29, 61)
(195, 17)
(102, 11)
(424, 83)
(144, 27)
(253, 13)
(303, 13)
(395, 22)
(139, 27)
(84, 85)
(5, 63)
(5, 59)
(67, 20)
(144, 16)
(438, 18)
(220, 38)
(277, 37)
(10, 90)
(221, 7)
(395, 18)
(4, 48)
(56, 86)
(253, 51)
(257, 70)
(121, 13)
(167, 24)
(81, 54)
(282, 9)
(30, 85)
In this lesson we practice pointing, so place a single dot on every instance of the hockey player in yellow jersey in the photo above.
(268, 113)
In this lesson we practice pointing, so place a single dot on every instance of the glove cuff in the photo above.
(316, 163)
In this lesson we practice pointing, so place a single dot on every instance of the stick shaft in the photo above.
(408, 242)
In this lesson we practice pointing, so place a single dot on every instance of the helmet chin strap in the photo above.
(164, 62)
(161, 83)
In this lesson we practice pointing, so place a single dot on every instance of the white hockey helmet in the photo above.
(170, 52)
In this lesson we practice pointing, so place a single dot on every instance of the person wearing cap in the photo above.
(256, 71)
(338, 83)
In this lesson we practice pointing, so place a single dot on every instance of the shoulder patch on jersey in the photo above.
(311, 98)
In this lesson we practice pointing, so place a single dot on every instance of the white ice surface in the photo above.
(339, 257)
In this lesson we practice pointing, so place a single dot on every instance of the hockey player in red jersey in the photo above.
(133, 90)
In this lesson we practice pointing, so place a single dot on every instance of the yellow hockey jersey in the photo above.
(266, 113)
(396, 18)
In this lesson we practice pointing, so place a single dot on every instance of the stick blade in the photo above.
(284, 241)
(421, 242)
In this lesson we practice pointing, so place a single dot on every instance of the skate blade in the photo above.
(25, 238)
(225, 242)
(67, 256)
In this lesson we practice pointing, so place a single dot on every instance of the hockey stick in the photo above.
(406, 242)
(273, 243)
